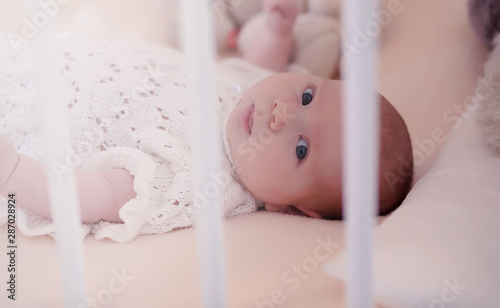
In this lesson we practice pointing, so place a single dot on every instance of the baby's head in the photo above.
(285, 141)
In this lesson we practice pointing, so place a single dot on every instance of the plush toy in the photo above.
(316, 32)
(485, 19)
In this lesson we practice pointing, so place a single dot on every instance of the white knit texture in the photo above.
(129, 108)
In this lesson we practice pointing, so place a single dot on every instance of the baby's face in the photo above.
(285, 142)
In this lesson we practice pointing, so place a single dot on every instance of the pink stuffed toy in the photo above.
(316, 32)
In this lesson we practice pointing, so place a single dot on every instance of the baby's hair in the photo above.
(396, 158)
(395, 171)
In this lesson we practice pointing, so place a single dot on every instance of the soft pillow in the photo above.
(441, 248)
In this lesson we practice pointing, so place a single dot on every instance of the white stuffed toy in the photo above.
(317, 42)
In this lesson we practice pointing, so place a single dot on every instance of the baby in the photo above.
(285, 138)
(298, 169)
(282, 139)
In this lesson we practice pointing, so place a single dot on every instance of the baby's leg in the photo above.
(273, 47)
(101, 195)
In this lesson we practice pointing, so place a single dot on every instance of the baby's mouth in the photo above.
(250, 119)
(247, 119)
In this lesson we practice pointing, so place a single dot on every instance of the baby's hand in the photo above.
(281, 15)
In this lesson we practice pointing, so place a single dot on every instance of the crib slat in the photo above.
(198, 39)
(62, 185)
(361, 147)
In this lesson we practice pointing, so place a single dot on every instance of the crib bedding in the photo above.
(429, 65)
(445, 237)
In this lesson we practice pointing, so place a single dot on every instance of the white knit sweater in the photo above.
(129, 108)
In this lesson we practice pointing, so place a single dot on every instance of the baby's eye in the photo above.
(301, 149)
(307, 96)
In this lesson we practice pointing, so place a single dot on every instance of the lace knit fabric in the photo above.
(129, 108)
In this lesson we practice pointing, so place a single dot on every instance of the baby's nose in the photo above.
(280, 115)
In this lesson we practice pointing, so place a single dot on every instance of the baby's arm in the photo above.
(101, 194)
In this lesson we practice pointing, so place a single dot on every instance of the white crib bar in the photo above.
(199, 45)
(361, 150)
(62, 187)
